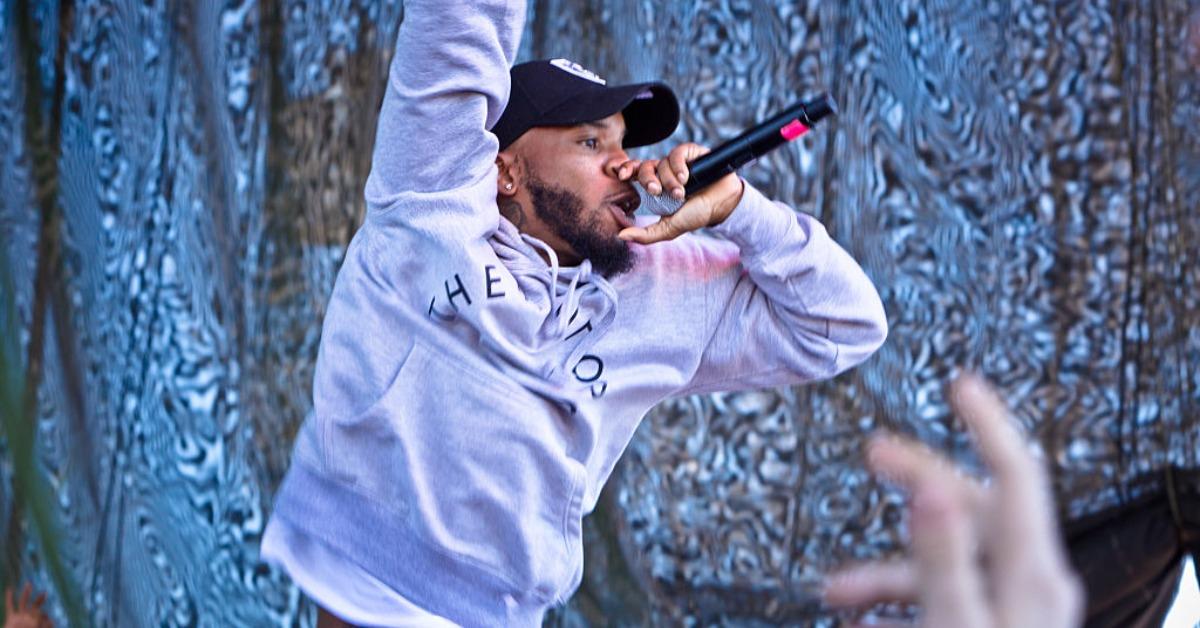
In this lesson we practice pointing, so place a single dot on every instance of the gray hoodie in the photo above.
(471, 399)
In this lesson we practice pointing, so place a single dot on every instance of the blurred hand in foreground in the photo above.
(981, 555)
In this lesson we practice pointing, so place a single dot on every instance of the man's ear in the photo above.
(508, 174)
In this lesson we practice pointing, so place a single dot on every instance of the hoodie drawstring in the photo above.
(567, 299)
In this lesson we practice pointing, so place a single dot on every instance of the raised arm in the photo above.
(447, 85)
(431, 201)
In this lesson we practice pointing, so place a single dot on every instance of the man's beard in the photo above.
(563, 212)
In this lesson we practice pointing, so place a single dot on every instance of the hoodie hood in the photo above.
(568, 300)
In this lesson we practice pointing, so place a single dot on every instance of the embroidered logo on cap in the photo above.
(578, 70)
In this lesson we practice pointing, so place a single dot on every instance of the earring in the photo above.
(508, 186)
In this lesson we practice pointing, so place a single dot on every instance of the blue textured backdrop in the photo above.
(179, 181)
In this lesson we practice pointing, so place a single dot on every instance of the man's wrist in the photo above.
(729, 203)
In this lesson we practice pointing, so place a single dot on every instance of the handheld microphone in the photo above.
(741, 150)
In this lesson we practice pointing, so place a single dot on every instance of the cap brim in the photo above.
(651, 111)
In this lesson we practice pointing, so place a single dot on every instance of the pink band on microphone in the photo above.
(793, 130)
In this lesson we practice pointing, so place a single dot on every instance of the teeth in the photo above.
(626, 205)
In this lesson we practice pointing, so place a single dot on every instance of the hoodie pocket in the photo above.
(473, 465)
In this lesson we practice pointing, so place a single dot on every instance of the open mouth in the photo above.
(622, 207)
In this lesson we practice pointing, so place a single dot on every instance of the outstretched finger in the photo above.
(26, 591)
(910, 464)
(1021, 489)
(8, 602)
(873, 583)
(1000, 443)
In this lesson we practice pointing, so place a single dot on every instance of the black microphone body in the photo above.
(756, 142)
(743, 149)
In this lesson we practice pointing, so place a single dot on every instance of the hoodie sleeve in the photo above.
(791, 306)
(447, 85)
(422, 254)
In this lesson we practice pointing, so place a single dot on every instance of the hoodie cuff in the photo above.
(758, 225)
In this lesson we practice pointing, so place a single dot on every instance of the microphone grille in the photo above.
(663, 204)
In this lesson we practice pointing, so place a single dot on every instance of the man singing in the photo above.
(501, 323)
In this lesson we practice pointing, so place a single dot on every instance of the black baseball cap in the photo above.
(559, 92)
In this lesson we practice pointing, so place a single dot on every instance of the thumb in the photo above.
(664, 229)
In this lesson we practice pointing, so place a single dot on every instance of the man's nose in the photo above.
(614, 163)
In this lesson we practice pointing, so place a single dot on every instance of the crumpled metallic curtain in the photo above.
(180, 180)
